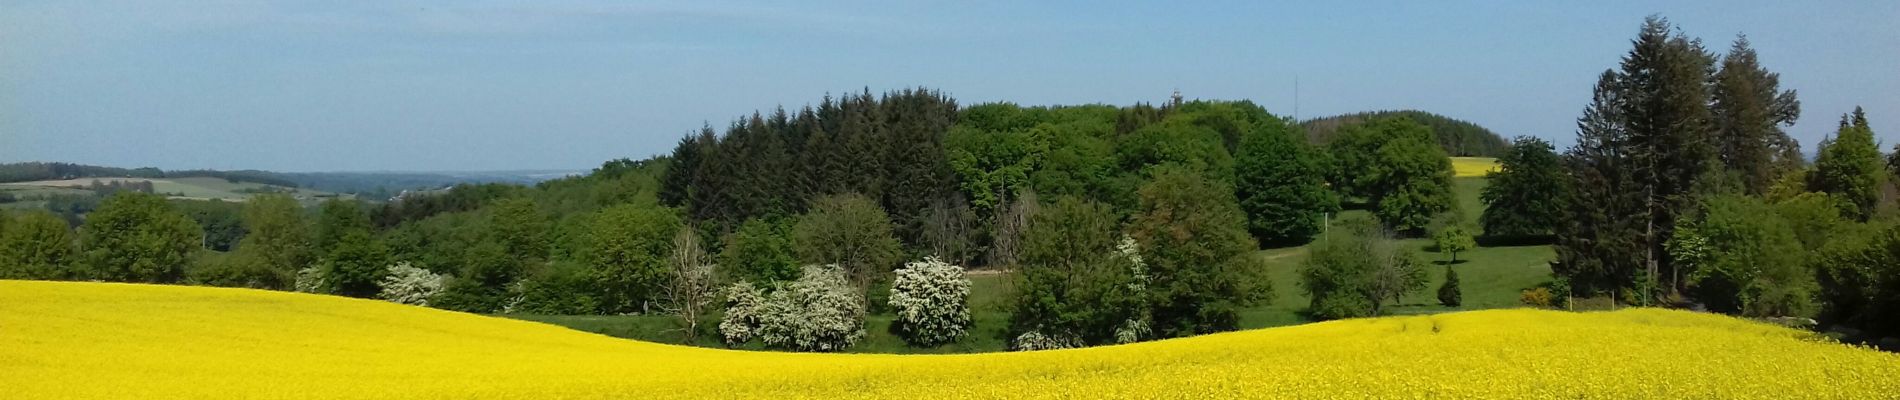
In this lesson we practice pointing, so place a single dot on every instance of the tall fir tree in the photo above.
(1749, 110)
(1650, 123)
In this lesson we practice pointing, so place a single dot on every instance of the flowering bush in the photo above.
(931, 299)
(741, 322)
(1036, 340)
(410, 285)
(820, 311)
(309, 280)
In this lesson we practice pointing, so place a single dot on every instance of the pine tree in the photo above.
(1749, 109)
(1648, 132)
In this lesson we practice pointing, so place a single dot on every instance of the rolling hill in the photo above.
(105, 340)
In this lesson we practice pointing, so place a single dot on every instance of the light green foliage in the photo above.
(36, 245)
(991, 165)
(1353, 273)
(627, 248)
(849, 231)
(1071, 285)
(1453, 239)
(1815, 218)
(1281, 184)
(1079, 160)
(1744, 258)
(1194, 240)
(1849, 167)
(138, 237)
(931, 300)
(521, 229)
(761, 253)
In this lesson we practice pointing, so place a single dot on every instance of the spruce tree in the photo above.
(1749, 110)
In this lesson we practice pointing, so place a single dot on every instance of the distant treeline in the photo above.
(370, 184)
(41, 171)
(1459, 138)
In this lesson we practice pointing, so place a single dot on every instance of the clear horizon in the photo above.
(443, 86)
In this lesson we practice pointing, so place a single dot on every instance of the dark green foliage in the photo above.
(222, 226)
(1392, 164)
(1643, 144)
(1527, 195)
(417, 206)
(278, 240)
(759, 252)
(1449, 294)
(1849, 167)
(1194, 239)
(1749, 109)
(1859, 278)
(355, 264)
(916, 172)
(852, 232)
(1178, 142)
(36, 245)
(234, 270)
(1455, 137)
(1353, 272)
(627, 248)
(1070, 281)
(560, 289)
(1281, 183)
(137, 237)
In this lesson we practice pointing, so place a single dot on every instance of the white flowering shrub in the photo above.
(1036, 340)
(820, 311)
(1136, 327)
(741, 323)
(309, 280)
(931, 300)
(408, 284)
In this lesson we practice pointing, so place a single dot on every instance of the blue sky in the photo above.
(457, 85)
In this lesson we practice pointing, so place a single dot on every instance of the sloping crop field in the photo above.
(1474, 167)
(102, 340)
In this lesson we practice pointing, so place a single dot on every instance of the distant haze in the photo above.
(568, 84)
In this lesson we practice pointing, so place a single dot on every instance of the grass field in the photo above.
(70, 340)
(1491, 277)
(194, 188)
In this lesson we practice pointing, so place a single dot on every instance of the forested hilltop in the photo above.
(1456, 136)
(1101, 224)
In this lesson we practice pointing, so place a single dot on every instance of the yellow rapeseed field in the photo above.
(1473, 166)
(126, 341)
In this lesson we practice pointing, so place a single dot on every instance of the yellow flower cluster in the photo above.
(1473, 166)
(127, 341)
